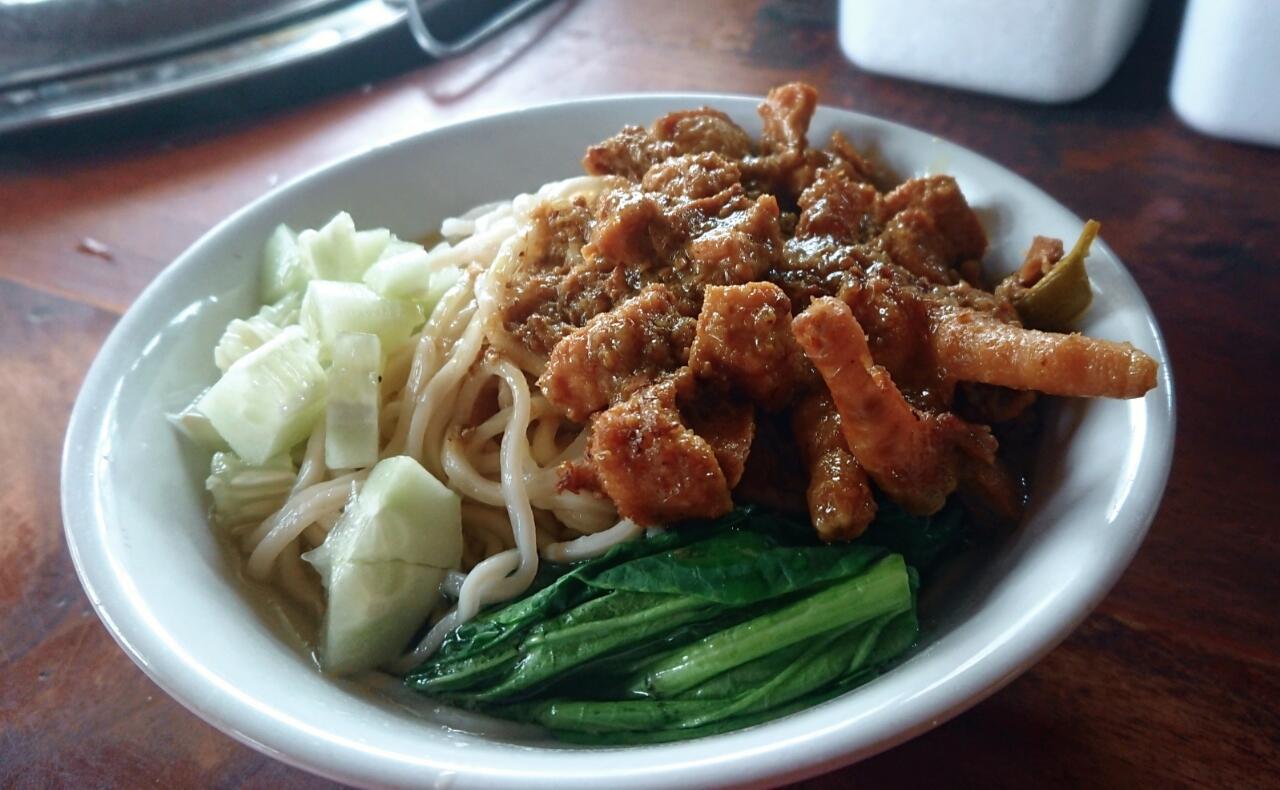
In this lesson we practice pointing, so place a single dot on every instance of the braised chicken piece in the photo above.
(977, 349)
(660, 311)
(589, 259)
(542, 302)
(634, 150)
(728, 425)
(617, 352)
(773, 476)
(702, 130)
(692, 176)
(744, 343)
(929, 229)
(841, 504)
(651, 464)
(839, 208)
(911, 455)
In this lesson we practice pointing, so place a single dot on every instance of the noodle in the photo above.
(295, 582)
(588, 546)
(313, 469)
(504, 467)
(301, 510)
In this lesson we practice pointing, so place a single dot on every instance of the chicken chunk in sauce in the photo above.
(744, 344)
(651, 464)
(659, 312)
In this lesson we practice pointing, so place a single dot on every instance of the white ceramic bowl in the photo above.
(135, 509)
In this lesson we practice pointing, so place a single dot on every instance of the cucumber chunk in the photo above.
(370, 244)
(351, 415)
(243, 335)
(193, 424)
(372, 612)
(403, 275)
(285, 266)
(269, 399)
(338, 252)
(331, 308)
(283, 312)
(409, 274)
(244, 494)
(383, 562)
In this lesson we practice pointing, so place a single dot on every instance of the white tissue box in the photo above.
(1039, 50)
(1226, 78)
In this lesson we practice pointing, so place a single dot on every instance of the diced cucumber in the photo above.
(193, 424)
(285, 266)
(396, 246)
(241, 336)
(269, 399)
(409, 274)
(332, 248)
(405, 275)
(372, 611)
(284, 311)
(351, 415)
(383, 562)
(370, 244)
(338, 252)
(244, 494)
(331, 308)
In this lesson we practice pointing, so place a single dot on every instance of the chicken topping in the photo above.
(841, 505)
(744, 343)
(617, 352)
(654, 467)
(699, 255)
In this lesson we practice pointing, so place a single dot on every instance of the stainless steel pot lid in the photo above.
(53, 39)
(66, 58)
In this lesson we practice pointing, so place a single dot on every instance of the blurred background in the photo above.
(136, 94)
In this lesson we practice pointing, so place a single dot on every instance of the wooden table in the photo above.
(1174, 680)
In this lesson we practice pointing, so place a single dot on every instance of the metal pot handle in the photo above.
(441, 49)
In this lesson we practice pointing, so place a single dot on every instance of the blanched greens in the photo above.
(704, 628)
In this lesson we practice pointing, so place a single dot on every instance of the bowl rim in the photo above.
(162, 660)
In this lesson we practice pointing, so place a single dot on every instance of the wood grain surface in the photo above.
(1173, 681)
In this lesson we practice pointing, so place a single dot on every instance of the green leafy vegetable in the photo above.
(613, 622)
(739, 568)
(565, 589)
(883, 590)
(922, 541)
(821, 660)
(892, 639)
(703, 628)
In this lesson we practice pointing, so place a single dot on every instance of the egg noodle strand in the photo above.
(502, 463)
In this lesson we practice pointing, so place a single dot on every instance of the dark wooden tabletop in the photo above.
(1174, 680)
